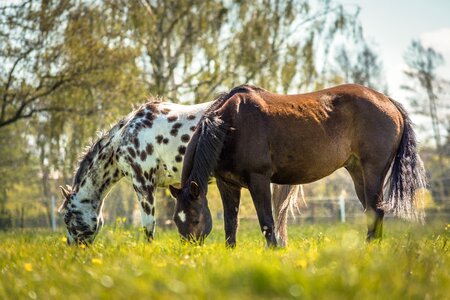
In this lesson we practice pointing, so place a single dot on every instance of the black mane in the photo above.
(211, 133)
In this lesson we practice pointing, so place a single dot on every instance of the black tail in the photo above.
(407, 179)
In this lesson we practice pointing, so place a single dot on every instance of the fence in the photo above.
(344, 209)
(324, 210)
(316, 210)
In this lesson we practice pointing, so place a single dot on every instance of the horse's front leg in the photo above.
(147, 208)
(259, 186)
(231, 198)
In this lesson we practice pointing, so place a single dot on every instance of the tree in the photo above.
(31, 53)
(16, 166)
(194, 48)
(49, 47)
(362, 66)
(429, 93)
(422, 63)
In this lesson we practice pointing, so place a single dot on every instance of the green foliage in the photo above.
(194, 49)
(16, 171)
(321, 262)
(14, 157)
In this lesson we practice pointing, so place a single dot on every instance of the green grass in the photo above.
(321, 262)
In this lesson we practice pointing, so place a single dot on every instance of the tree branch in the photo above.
(19, 114)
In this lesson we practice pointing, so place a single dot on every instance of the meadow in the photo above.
(320, 262)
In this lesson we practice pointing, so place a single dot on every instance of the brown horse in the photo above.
(254, 137)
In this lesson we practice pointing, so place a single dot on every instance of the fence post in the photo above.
(342, 207)
(53, 213)
(22, 216)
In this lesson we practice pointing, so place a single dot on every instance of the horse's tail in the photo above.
(407, 178)
(284, 200)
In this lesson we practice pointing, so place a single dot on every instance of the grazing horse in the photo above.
(146, 147)
(254, 137)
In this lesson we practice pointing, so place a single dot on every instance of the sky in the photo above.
(391, 25)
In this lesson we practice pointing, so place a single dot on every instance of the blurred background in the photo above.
(71, 68)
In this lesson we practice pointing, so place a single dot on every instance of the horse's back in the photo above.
(155, 138)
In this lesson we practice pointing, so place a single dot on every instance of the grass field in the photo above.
(321, 262)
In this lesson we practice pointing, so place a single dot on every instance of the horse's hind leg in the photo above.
(355, 170)
(259, 187)
(368, 182)
(231, 198)
(373, 192)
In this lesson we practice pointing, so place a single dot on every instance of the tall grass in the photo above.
(326, 262)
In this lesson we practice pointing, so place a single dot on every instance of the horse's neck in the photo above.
(102, 174)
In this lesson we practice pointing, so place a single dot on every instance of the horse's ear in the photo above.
(63, 206)
(66, 195)
(174, 191)
(65, 192)
(194, 189)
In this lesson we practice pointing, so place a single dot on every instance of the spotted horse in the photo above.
(146, 147)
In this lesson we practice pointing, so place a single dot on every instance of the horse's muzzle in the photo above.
(190, 239)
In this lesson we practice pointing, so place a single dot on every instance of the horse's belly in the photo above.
(301, 175)
(307, 164)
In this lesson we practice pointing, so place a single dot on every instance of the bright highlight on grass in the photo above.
(321, 262)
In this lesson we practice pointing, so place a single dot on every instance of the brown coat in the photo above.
(253, 137)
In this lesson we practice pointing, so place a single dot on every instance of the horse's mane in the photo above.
(211, 133)
(91, 151)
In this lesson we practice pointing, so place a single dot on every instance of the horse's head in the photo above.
(192, 215)
(81, 217)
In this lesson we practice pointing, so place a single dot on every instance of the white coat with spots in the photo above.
(147, 147)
